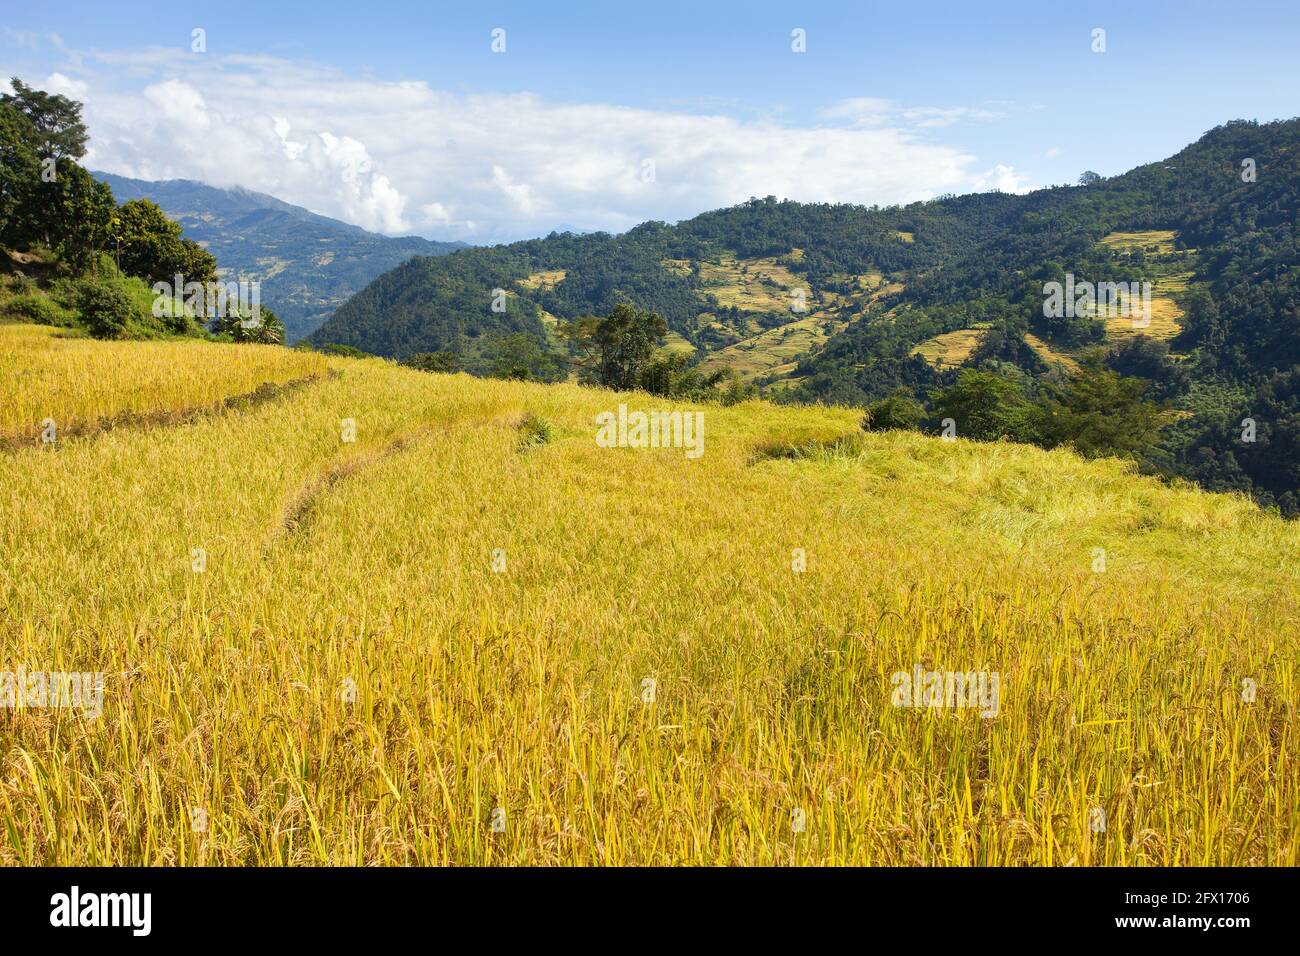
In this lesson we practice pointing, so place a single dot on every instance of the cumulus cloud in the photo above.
(1002, 178)
(400, 157)
(64, 86)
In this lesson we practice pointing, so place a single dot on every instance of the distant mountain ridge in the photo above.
(853, 305)
(308, 264)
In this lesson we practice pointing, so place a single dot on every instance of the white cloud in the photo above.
(1002, 178)
(64, 86)
(400, 157)
(874, 111)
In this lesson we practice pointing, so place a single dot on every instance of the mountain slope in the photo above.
(308, 264)
(846, 304)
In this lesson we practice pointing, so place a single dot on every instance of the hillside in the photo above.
(845, 304)
(308, 264)
(375, 651)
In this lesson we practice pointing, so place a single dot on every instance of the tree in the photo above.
(987, 407)
(19, 174)
(60, 133)
(1140, 356)
(1100, 413)
(440, 361)
(671, 375)
(615, 349)
(520, 358)
(897, 411)
(150, 245)
(1088, 177)
(80, 221)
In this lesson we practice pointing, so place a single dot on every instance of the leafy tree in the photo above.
(440, 361)
(615, 349)
(56, 120)
(897, 411)
(987, 407)
(19, 174)
(1100, 413)
(1140, 356)
(672, 375)
(519, 357)
(81, 216)
(150, 245)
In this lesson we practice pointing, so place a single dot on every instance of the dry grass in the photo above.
(949, 349)
(225, 690)
(755, 285)
(81, 383)
(1154, 241)
(1050, 355)
(1166, 315)
(545, 279)
(775, 349)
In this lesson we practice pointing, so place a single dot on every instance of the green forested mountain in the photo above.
(853, 305)
(308, 264)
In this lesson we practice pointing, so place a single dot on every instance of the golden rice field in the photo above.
(433, 644)
(45, 373)
(950, 349)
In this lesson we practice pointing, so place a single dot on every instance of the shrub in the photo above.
(106, 309)
(334, 348)
(441, 361)
(897, 411)
(37, 308)
(534, 430)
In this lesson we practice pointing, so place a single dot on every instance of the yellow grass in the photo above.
(1049, 355)
(1166, 315)
(949, 349)
(545, 279)
(755, 285)
(79, 382)
(675, 342)
(1159, 241)
(334, 565)
(773, 350)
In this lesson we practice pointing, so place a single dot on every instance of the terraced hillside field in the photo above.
(474, 635)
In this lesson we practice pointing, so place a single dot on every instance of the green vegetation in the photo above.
(71, 257)
(911, 297)
(308, 264)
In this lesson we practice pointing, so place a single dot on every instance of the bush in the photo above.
(106, 309)
(334, 348)
(898, 411)
(37, 308)
(534, 430)
(441, 361)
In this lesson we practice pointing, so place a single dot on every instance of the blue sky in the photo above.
(891, 102)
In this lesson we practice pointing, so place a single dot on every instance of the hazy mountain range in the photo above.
(308, 264)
